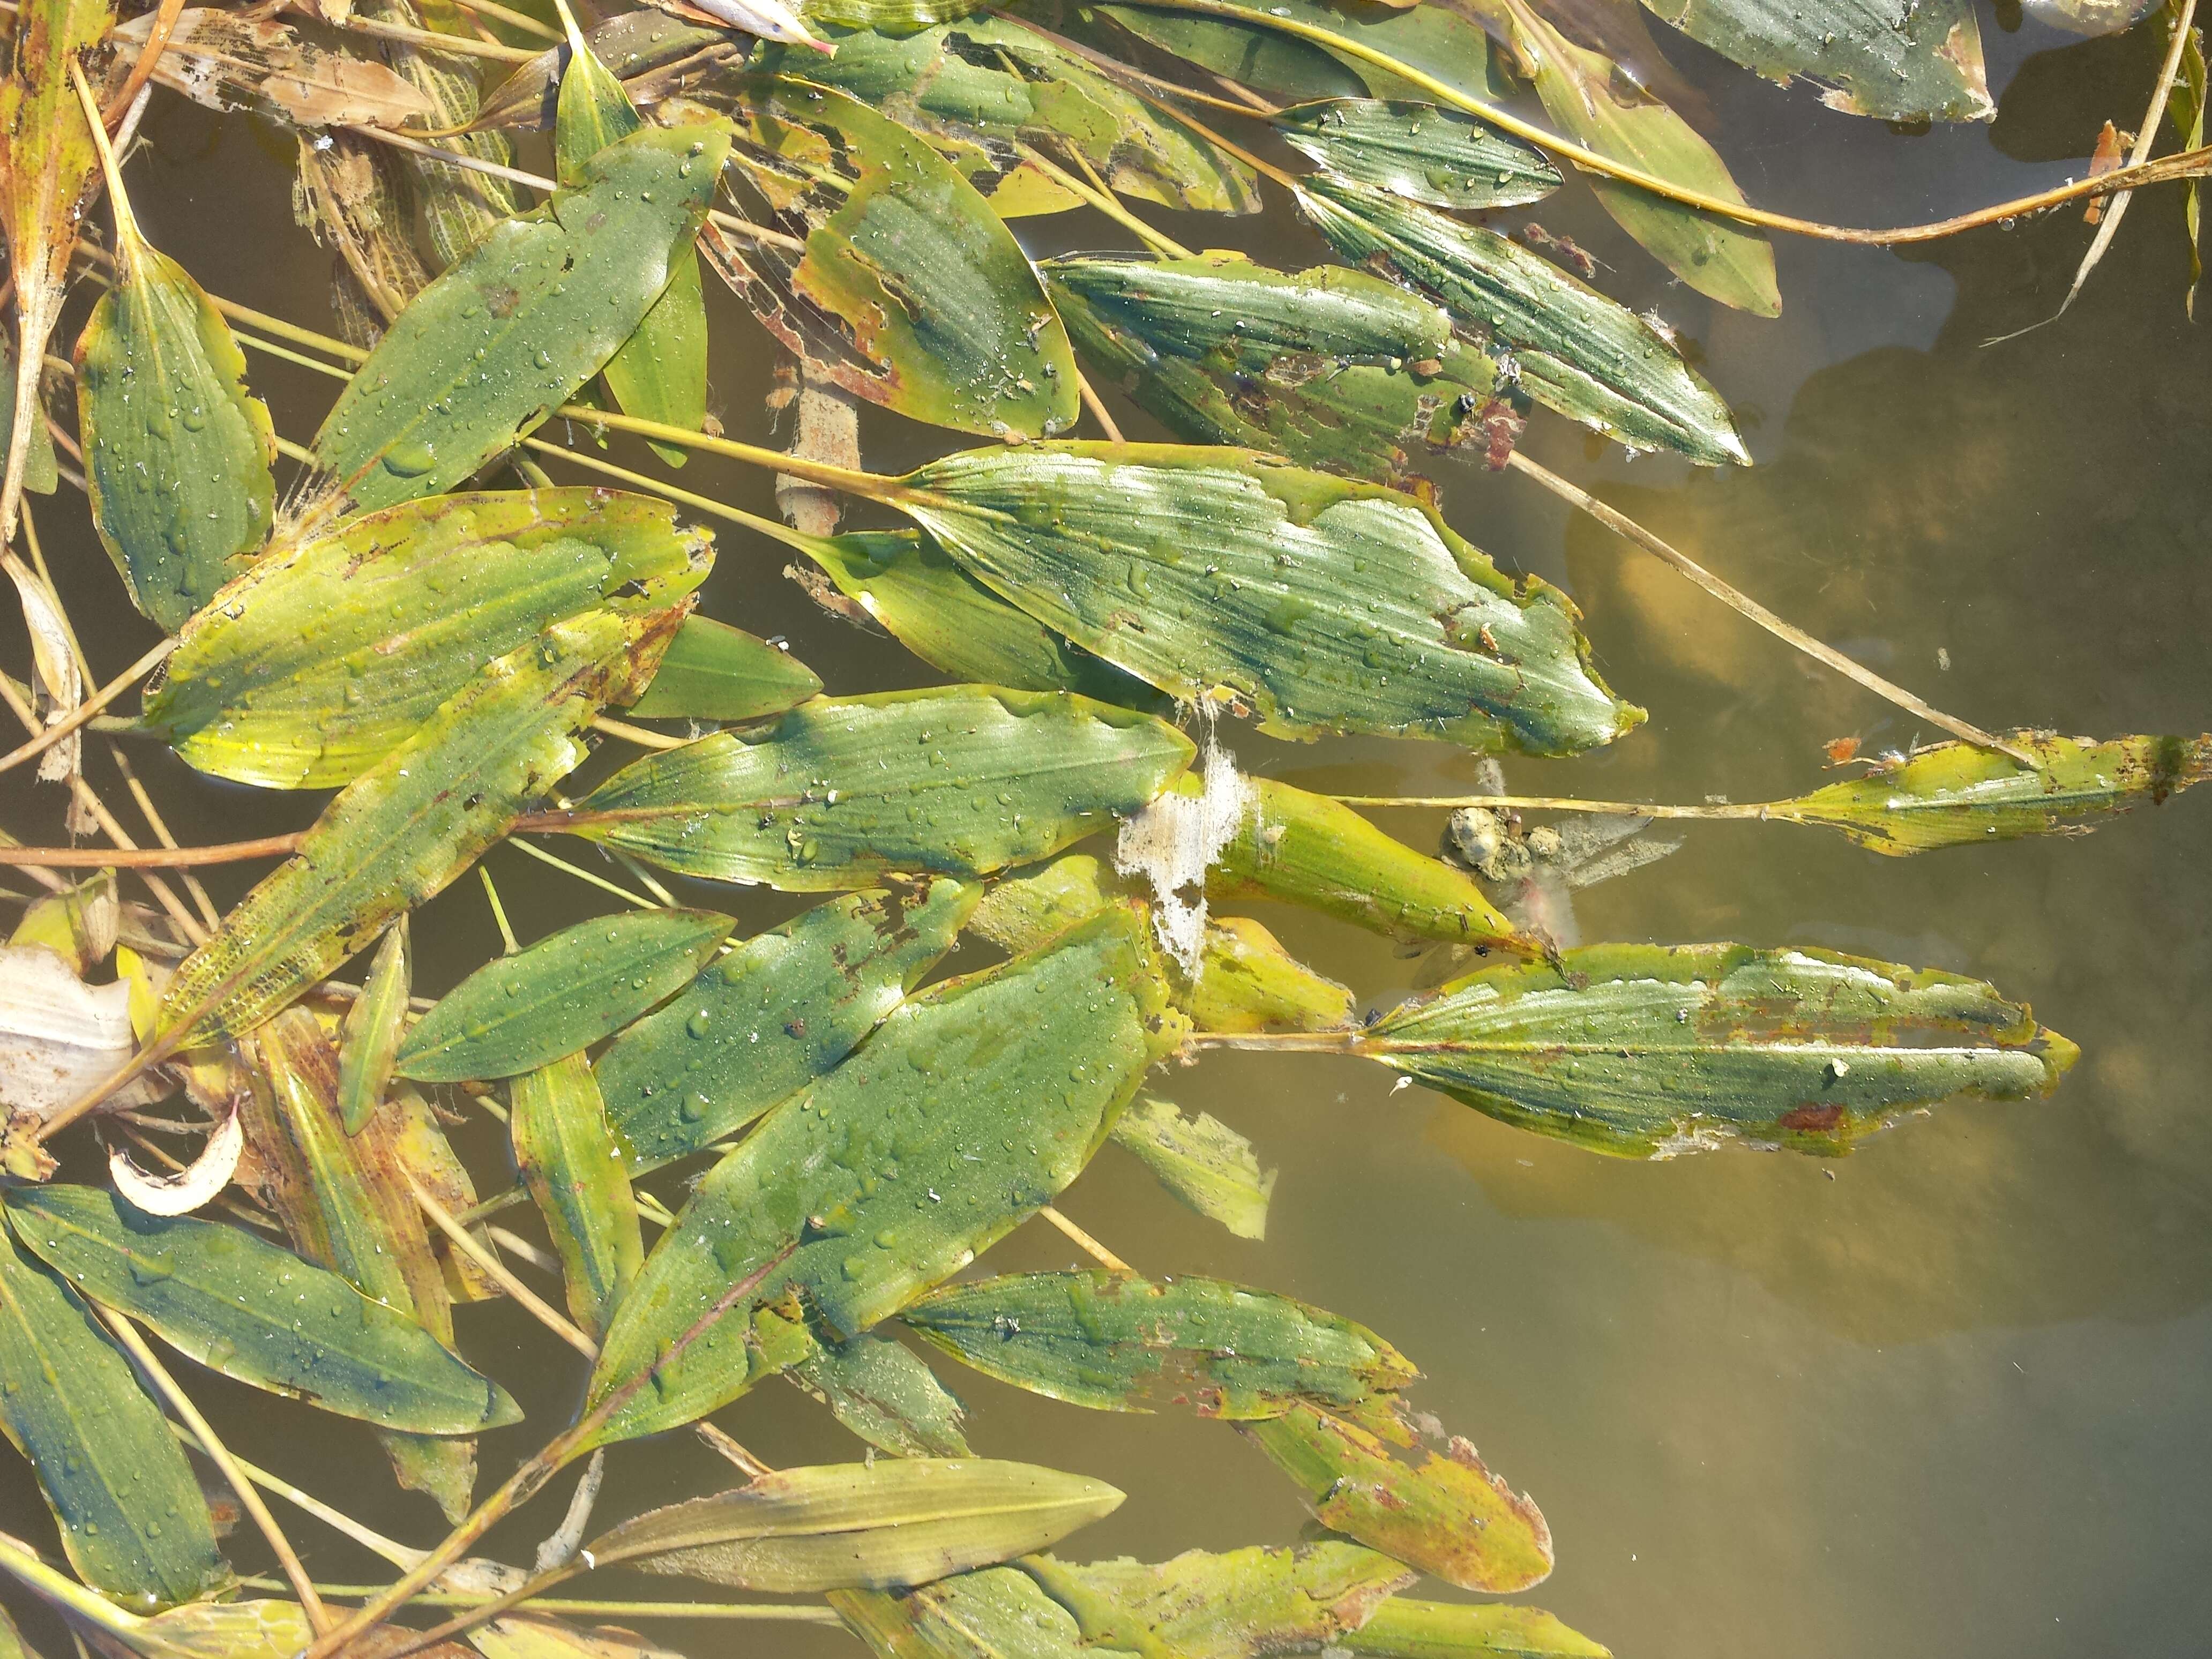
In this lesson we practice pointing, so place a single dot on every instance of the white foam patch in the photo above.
(1173, 842)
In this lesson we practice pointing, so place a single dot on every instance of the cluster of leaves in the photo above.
(444, 654)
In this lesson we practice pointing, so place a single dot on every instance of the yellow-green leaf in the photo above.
(1202, 1161)
(374, 1028)
(569, 1157)
(716, 673)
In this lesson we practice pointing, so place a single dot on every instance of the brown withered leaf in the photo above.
(230, 61)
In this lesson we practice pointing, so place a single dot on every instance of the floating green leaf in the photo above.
(940, 299)
(130, 1516)
(374, 1028)
(1333, 368)
(177, 454)
(1000, 1613)
(1022, 912)
(484, 353)
(1437, 38)
(1266, 60)
(1245, 1604)
(901, 1521)
(1445, 1514)
(1953, 795)
(1923, 63)
(775, 1014)
(1248, 982)
(1652, 1051)
(1400, 1629)
(1422, 152)
(982, 86)
(1202, 1161)
(881, 1392)
(570, 1160)
(324, 658)
(1114, 1342)
(635, 46)
(716, 673)
(253, 1312)
(1575, 351)
(841, 791)
(566, 992)
(412, 822)
(907, 583)
(1326, 604)
(1033, 1059)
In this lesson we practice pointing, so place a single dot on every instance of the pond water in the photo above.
(1950, 1396)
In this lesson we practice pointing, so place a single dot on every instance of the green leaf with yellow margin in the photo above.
(839, 792)
(879, 1390)
(1248, 982)
(374, 1027)
(568, 1159)
(1202, 1161)
(716, 673)
(998, 1612)
(1653, 1051)
(1033, 1060)
(1400, 1629)
(1115, 1342)
(130, 1516)
(324, 658)
(1324, 603)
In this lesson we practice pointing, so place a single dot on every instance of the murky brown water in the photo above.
(1951, 1397)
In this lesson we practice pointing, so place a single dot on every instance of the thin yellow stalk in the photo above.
(501, 1275)
(1090, 1246)
(48, 736)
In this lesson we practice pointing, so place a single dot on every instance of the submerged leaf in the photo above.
(230, 61)
(130, 1516)
(1114, 1342)
(410, 823)
(568, 1159)
(1248, 982)
(1000, 1613)
(324, 658)
(1202, 1161)
(1034, 1058)
(839, 792)
(562, 994)
(1422, 152)
(777, 1013)
(487, 351)
(537, 1636)
(879, 1390)
(1574, 350)
(1953, 795)
(716, 673)
(901, 1521)
(1445, 1514)
(1327, 604)
(244, 1308)
(1652, 1051)
(1333, 368)
(59, 1036)
(1400, 1629)
(1923, 63)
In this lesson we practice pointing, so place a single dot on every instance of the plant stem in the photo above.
(151, 858)
(150, 1366)
(1621, 525)
(2189, 164)
(1090, 1246)
(501, 1274)
(2146, 135)
(581, 874)
(1105, 201)
(1568, 804)
(48, 736)
(398, 1554)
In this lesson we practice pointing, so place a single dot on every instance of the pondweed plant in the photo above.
(407, 610)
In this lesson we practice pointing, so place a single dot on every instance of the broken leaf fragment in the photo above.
(1202, 1161)
(1653, 1051)
(882, 1392)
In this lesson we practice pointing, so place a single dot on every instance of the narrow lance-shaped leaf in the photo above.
(1114, 1342)
(716, 673)
(177, 454)
(1325, 604)
(1245, 1604)
(487, 351)
(1202, 1161)
(1585, 93)
(570, 1160)
(1953, 795)
(939, 300)
(839, 791)
(243, 1307)
(324, 658)
(1400, 1629)
(1924, 63)
(1575, 351)
(1443, 1512)
(1333, 368)
(909, 584)
(1652, 1051)
(879, 1390)
(1422, 152)
(345, 1203)
(374, 1026)
(780, 1011)
(659, 373)
(899, 1521)
(130, 1516)
(1032, 1061)
(560, 996)
(411, 823)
